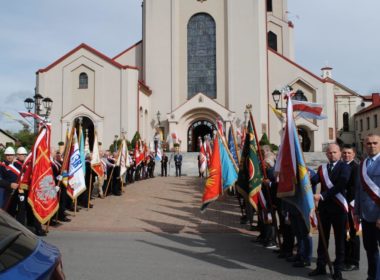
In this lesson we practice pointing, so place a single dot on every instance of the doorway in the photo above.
(198, 129)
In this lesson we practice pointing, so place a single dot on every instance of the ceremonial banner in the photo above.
(158, 154)
(137, 154)
(229, 174)
(250, 174)
(82, 148)
(202, 158)
(76, 183)
(123, 160)
(96, 163)
(42, 192)
(208, 150)
(213, 186)
(232, 145)
(294, 185)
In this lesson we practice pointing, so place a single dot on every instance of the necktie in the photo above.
(369, 163)
(330, 168)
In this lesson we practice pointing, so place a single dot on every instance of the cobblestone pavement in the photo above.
(161, 204)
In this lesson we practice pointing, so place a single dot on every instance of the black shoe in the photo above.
(117, 193)
(301, 264)
(40, 232)
(294, 258)
(270, 245)
(317, 271)
(64, 219)
(350, 267)
(337, 275)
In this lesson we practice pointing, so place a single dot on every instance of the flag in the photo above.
(31, 115)
(158, 154)
(308, 110)
(82, 148)
(42, 195)
(96, 163)
(202, 158)
(76, 182)
(137, 154)
(212, 189)
(208, 150)
(294, 180)
(277, 113)
(232, 145)
(250, 174)
(123, 160)
(86, 144)
(220, 126)
(229, 174)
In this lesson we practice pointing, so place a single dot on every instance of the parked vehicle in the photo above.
(25, 256)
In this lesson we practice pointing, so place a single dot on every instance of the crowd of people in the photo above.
(349, 195)
(14, 193)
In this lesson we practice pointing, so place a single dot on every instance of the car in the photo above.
(25, 256)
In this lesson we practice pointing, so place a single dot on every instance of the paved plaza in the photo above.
(156, 231)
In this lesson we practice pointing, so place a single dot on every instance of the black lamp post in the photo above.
(276, 95)
(158, 117)
(36, 103)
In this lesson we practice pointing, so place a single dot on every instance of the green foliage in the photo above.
(135, 138)
(176, 145)
(264, 140)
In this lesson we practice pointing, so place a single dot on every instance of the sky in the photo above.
(342, 34)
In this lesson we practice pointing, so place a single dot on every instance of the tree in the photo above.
(135, 138)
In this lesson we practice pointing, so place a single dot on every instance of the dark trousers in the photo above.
(178, 170)
(371, 242)
(25, 213)
(352, 246)
(338, 222)
(164, 170)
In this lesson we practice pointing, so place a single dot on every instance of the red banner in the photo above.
(42, 193)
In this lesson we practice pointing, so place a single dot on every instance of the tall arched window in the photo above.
(201, 55)
(272, 40)
(83, 80)
(269, 6)
(346, 124)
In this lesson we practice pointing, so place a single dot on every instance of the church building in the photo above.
(198, 60)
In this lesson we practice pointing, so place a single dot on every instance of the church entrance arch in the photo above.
(88, 127)
(197, 129)
(305, 140)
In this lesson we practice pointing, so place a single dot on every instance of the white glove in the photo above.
(59, 177)
(57, 188)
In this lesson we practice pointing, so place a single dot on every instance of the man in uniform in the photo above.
(332, 207)
(164, 165)
(352, 244)
(367, 204)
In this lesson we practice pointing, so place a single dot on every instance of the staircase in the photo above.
(190, 163)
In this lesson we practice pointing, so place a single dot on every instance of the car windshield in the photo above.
(16, 241)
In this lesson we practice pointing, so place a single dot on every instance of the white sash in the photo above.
(329, 185)
(372, 189)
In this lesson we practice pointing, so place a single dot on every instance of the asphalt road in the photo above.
(155, 231)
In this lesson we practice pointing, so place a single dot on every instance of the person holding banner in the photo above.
(367, 204)
(333, 209)
(352, 244)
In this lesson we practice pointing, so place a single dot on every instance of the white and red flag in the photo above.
(202, 158)
(137, 154)
(42, 192)
(208, 150)
(123, 159)
(96, 163)
(308, 110)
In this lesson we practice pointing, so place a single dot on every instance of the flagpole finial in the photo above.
(248, 107)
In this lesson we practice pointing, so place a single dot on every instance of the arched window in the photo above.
(346, 124)
(83, 80)
(201, 55)
(269, 6)
(272, 40)
(299, 95)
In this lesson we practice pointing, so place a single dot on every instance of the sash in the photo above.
(13, 169)
(339, 197)
(368, 185)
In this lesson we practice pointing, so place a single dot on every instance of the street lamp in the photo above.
(158, 117)
(276, 95)
(35, 103)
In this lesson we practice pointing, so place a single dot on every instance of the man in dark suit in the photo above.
(367, 204)
(332, 207)
(178, 164)
(352, 244)
(164, 165)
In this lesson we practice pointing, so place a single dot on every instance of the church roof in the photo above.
(326, 80)
(93, 51)
(127, 50)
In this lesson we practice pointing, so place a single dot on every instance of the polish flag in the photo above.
(308, 110)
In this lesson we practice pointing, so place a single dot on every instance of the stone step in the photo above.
(190, 163)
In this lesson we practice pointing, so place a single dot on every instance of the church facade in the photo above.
(198, 60)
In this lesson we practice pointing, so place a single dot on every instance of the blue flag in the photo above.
(229, 174)
(232, 146)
